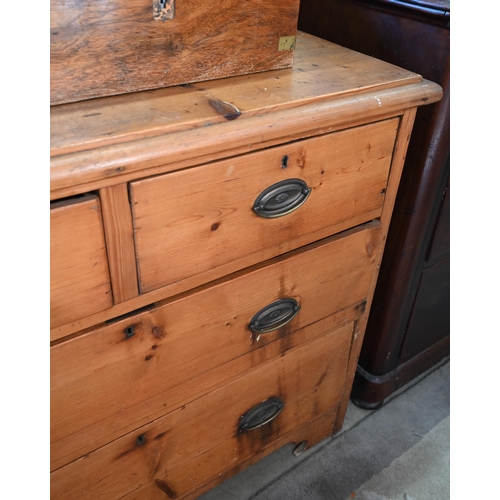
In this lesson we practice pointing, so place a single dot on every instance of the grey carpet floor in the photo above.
(400, 452)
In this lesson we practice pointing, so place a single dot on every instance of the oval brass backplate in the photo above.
(261, 414)
(281, 198)
(274, 315)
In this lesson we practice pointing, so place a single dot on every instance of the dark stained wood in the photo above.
(400, 150)
(408, 239)
(414, 35)
(369, 391)
(109, 47)
(428, 324)
(440, 244)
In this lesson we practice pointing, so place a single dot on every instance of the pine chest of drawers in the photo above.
(214, 251)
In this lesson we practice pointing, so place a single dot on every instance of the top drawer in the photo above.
(199, 224)
(79, 274)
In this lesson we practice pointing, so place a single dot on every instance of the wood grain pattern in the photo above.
(210, 207)
(192, 445)
(87, 170)
(119, 241)
(149, 298)
(107, 47)
(313, 432)
(147, 404)
(175, 356)
(79, 274)
(321, 71)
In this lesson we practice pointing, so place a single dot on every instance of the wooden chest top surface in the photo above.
(321, 71)
(104, 141)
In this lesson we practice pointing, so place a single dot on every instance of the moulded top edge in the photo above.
(321, 71)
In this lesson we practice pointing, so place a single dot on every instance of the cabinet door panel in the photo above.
(430, 318)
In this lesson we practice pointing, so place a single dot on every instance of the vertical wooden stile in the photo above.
(119, 242)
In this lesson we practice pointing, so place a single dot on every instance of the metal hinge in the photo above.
(163, 9)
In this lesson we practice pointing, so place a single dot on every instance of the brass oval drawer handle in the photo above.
(261, 414)
(274, 315)
(281, 198)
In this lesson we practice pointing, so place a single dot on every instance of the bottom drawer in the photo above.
(191, 447)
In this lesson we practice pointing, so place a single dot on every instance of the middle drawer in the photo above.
(120, 376)
(199, 224)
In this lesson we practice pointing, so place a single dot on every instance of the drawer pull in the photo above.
(274, 316)
(261, 414)
(281, 198)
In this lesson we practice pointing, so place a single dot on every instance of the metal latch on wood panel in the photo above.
(163, 9)
(286, 43)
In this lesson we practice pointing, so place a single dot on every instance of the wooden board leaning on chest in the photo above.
(338, 121)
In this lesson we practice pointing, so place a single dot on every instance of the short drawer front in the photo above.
(110, 381)
(199, 224)
(79, 273)
(193, 445)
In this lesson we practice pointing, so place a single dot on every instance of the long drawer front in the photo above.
(189, 447)
(121, 376)
(202, 223)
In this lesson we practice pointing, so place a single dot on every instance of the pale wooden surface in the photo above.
(210, 207)
(108, 389)
(79, 274)
(193, 444)
(321, 71)
(313, 432)
(176, 355)
(73, 173)
(93, 169)
(107, 47)
(119, 242)
(128, 137)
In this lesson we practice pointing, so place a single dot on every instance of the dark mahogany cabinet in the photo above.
(408, 329)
